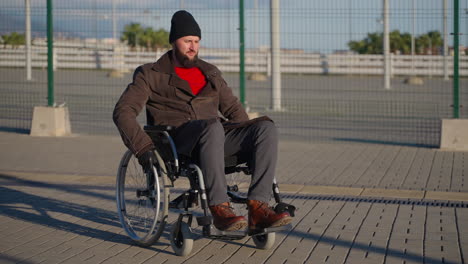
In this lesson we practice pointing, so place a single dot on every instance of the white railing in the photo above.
(228, 61)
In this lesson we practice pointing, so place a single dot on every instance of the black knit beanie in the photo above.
(183, 24)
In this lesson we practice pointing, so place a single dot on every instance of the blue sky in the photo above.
(311, 25)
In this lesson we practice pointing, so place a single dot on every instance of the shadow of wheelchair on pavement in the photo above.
(80, 219)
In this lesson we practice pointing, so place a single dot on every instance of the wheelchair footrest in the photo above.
(262, 231)
(284, 207)
(211, 231)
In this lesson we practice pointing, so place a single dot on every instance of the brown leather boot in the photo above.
(262, 216)
(225, 219)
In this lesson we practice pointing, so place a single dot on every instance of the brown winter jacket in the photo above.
(169, 101)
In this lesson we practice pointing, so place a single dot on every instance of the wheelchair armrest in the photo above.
(164, 143)
(157, 128)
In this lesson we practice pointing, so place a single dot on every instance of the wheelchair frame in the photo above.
(155, 197)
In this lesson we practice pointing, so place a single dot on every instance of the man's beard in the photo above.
(184, 60)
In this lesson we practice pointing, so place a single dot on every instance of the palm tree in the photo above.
(429, 43)
(131, 34)
(136, 35)
(401, 42)
(146, 38)
(161, 40)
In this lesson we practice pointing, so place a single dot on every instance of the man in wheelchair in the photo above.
(187, 93)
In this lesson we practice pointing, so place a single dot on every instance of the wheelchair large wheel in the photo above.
(142, 199)
(265, 241)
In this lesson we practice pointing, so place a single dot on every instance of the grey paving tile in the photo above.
(443, 252)
(419, 172)
(441, 169)
(399, 169)
(459, 180)
(131, 255)
(370, 251)
(404, 251)
(379, 168)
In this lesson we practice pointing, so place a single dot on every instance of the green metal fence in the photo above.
(332, 83)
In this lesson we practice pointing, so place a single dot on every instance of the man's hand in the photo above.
(147, 160)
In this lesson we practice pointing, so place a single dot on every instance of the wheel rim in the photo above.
(138, 206)
(179, 239)
(261, 238)
(265, 241)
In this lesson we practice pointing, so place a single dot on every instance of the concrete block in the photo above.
(50, 122)
(454, 135)
(257, 77)
(115, 74)
(414, 80)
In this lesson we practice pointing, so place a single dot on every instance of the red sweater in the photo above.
(193, 76)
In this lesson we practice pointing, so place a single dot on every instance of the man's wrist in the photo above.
(144, 150)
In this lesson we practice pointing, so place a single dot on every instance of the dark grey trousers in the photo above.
(259, 139)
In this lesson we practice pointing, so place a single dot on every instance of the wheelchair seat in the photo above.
(165, 146)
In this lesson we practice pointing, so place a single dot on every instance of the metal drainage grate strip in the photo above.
(406, 201)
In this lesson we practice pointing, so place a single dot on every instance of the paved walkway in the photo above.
(358, 203)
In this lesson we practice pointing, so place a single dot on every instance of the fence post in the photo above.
(28, 39)
(275, 55)
(391, 64)
(446, 74)
(268, 63)
(456, 103)
(386, 46)
(50, 55)
(241, 53)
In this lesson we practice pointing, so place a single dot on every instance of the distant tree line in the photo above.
(400, 43)
(146, 37)
(14, 39)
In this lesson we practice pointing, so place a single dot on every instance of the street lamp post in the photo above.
(412, 39)
(28, 38)
(50, 55)
(386, 46)
(275, 56)
(446, 75)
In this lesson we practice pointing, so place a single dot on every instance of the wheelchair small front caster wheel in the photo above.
(264, 241)
(181, 240)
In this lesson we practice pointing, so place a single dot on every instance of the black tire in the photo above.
(265, 241)
(181, 241)
(142, 199)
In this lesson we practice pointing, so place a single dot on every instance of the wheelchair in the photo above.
(143, 199)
